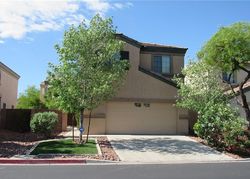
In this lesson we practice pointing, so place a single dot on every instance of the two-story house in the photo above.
(145, 104)
(8, 87)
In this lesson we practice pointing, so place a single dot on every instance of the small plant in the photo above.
(44, 123)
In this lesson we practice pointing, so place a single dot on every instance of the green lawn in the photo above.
(65, 147)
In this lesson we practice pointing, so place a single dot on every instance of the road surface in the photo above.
(235, 170)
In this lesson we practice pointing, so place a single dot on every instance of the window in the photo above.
(124, 55)
(225, 77)
(137, 104)
(161, 64)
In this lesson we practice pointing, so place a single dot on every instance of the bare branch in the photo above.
(235, 95)
(237, 64)
(244, 99)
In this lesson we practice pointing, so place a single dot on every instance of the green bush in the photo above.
(44, 123)
(219, 125)
(247, 144)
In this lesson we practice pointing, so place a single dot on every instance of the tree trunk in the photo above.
(244, 99)
(245, 106)
(81, 124)
(87, 138)
(73, 127)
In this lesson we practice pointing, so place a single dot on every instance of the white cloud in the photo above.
(98, 6)
(118, 5)
(17, 18)
(102, 6)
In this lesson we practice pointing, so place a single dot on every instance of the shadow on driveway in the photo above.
(163, 145)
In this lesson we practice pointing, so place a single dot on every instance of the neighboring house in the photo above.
(237, 78)
(43, 89)
(236, 101)
(8, 87)
(145, 104)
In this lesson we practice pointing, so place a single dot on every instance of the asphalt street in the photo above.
(235, 170)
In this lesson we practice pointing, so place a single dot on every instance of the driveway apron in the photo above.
(148, 149)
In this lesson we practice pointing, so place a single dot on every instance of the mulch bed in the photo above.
(13, 143)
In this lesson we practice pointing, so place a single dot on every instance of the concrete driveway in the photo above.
(162, 149)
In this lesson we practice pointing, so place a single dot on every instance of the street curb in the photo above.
(95, 161)
(42, 161)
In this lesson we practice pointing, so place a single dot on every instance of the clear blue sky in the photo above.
(29, 30)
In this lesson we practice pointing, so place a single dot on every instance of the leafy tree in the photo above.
(201, 91)
(49, 102)
(89, 70)
(30, 99)
(229, 50)
(201, 85)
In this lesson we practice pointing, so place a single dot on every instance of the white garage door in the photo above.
(126, 118)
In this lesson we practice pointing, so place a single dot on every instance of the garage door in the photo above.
(127, 118)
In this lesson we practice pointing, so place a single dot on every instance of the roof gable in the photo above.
(7, 69)
(159, 77)
(151, 47)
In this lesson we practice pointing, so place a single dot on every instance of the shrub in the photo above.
(201, 91)
(44, 123)
(247, 144)
(234, 129)
(219, 125)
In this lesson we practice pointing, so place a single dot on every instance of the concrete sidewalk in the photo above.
(163, 149)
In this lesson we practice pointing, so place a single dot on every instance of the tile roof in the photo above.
(145, 46)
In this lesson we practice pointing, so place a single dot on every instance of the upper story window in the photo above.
(225, 77)
(124, 55)
(161, 64)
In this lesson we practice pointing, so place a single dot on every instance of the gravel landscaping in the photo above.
(13, 143)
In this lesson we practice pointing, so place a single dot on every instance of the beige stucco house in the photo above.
(8, 87)
(238, 77)
(145, 104)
